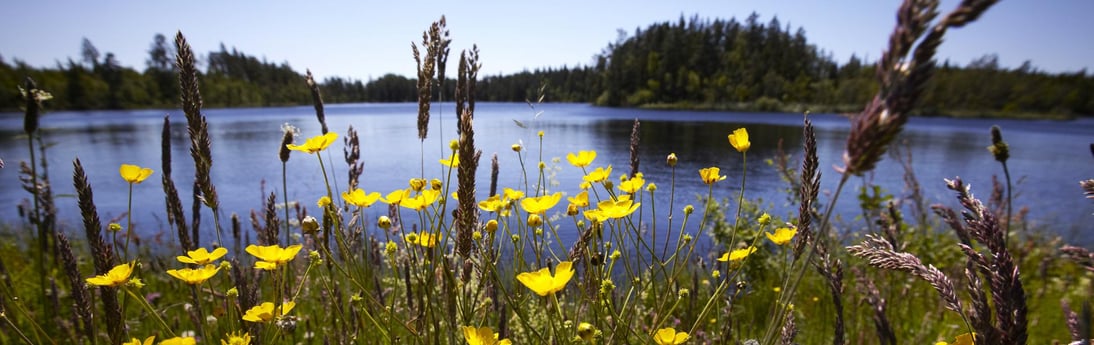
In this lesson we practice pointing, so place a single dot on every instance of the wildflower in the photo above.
(534, 220)
(395, 197)
(595, 216)
(476, 235)
(135, 341)
(454, 144)
(273, 256)
(581, 159)
(781, 236)
(710, 175)
(540, 204)
(737, 254)
(179, 341)
(383, 222)
(739, 140)
(265, 312)
(435, 184)
(358, 198)
(606, 286)
(512, 194)
(683, 293)
(618, 208)
(669, 336)
(115, 277)
(716, 274)
(964, 339)
(202, 256)
(233, 292)
(315, 144)
(417, 184)
(586, 331)
(309, 225)
(492, 225)
(323, 202)
(135, 283)
(540, 134)
(235, 338)
(616, 254)
(390, 248)
(599, 175)
(765, 219)
(688, 209)
(114, 227)
(571, 210)
(423, 239)
(134, 174)
(580, 200)
(543, 283)
(451, 162)
(632, 185)
(671, 159)
(482, 336)
(517, 147)
(194, 276)
(421, 201)
(652, 187)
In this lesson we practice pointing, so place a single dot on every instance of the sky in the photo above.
(367, 39)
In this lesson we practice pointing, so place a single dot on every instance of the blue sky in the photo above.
(366, 39)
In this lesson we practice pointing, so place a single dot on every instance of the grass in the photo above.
(443, 267)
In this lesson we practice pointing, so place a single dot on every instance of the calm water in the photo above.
(1049, 158)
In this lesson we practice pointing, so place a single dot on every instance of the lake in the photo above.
(1047, 158)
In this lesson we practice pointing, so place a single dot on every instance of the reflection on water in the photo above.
(1048, 157)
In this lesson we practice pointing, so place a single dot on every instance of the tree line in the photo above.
(690, 63)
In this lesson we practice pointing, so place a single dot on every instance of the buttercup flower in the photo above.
(323, 202)
(581, 199)
(492, 225)
(512, 194)
(581, 159)
(383, 222)
(543, 283)
(435, 184)
(586, 331)
(395, 197)
(194, 276)
(135, 341)
(265, 311)
(273, 256)
(179, 341)
(669, 336)
(134, 174)
(421, 201)
(235, 338)
(671, 159)
(632, 185)
(534, 220)
(315, 144)
(617, 208)
(739, 140)
(598, 175)
(482, 336)
(417, 184)
(117, 276)
(540, 204)
(710, 175)
(202, 256)
(451, 162)
(423, 239)
(782, 235)
(737, 254)
(358, 197)
(491, 204)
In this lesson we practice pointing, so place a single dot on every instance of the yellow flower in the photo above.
(534, 220)
(512, 194)
(435, 184)
(598, 175)
(383, 222)
(358, 197)
(543, 283)
(739, 140)
(417, 184)
(782, 235)
(423, 239)
(671, 159)
(710, 175)
(764, 219)
(273, 256)
(202, 256)
(323, 202)
(618, 208)
(632, 185)
(669, 336)
(516, 147)
(581, 159)
(194, 276)
(235, 338)
(491, 204)
(595, 216)
(265, 311)
(737, 254)
(586, 331)
(179, 341)
(482, 336)
(117, 276)
(492, 225)
(315, 144)
(135, 341)
(540, 204)
(581, 199)
(395, 197)
(451, 162)
(134, 174)
(421, 201)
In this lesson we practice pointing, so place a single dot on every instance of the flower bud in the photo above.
(534, 220)
(492, 225)
(517, 147)
(688, 209)
(310, 225)
(454, 144)
(671, 160)
(435, 184)
(390, 247)
(114, 227)
(571, 210)
(383, 222)
(417, 184)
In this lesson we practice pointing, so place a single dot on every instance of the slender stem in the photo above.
(1006, 173)
(285, 197)
(151, 310)
(38, 223)
(129, 223)
(16, 329)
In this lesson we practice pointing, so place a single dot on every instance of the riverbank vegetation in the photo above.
(451, 263)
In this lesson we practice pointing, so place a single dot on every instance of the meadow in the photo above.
(444, 266)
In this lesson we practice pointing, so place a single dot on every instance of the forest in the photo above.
(691, 63)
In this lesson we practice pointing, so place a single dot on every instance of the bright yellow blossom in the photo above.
(739, 140)
(618, 208)
(669, 336)
(782, 235)
(534, 220)
(540, 204)
(273, 256)
(421, 201)
(358, 197)
(710, 175)
(632, 185)
(134, 174)
(194, 276)
(135, 341)
(265, 311)
(117, 276)
(179, 341)
(482, 336)
(417, 184)
(323, 202)
(491, 204)
(451, 162)
(581, 199)
(202, 256)
(315, 144)
(581, 159)
(737, 254)
(235, 338)
(395, 197)
(543, 283)
(598, 175)
(423, 239)
(512, 194)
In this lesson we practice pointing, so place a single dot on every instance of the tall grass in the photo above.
(447, 266)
